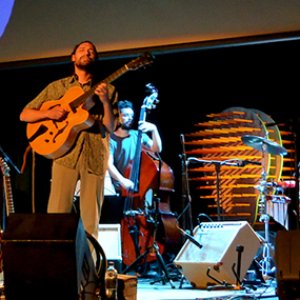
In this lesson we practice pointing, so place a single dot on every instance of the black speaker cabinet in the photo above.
(218, 254)
(46, 256)
(287, 248)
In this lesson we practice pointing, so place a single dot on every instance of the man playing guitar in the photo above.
(85, 156)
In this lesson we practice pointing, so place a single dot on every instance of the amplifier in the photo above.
(225, 246)
(109, 238)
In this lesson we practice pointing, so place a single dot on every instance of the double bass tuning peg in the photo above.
(150, 87)
(151, 100)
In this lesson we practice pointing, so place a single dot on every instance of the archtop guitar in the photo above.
(53, 138)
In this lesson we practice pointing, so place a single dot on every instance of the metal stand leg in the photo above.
(166, 276)
(266, 262)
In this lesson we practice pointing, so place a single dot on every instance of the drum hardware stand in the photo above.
(154, 247)
(264, 217)
(264, 145)
(266, 261)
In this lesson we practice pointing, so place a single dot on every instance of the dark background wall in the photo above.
(191, 84)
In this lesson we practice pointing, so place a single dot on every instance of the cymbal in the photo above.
(263, 145)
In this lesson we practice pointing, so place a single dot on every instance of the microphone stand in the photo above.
(186, 195)
(217, 163)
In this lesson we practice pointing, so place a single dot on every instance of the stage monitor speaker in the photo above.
(109, 238)
(287, 262)
(46, 256)
(218, 255)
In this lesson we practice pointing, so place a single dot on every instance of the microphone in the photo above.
(183, 155)
(193, 240)
(182, 140)
(243, 163)
(190, 238)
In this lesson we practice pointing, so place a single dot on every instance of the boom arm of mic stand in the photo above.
(234, 162)
(190, 238)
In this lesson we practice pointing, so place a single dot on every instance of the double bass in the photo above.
(136, 227)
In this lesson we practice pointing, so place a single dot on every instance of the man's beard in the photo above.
(87, 65)
(126, 126)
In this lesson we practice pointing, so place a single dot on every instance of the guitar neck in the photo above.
(7, 187)
(81, 99)
(8, 195)
(112, 77)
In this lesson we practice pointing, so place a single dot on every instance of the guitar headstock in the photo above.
(4, 167)
(142, 61)
(151, 100)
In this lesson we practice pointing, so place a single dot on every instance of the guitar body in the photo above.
(52, 138)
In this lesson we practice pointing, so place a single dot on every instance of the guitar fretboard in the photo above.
(7, 187)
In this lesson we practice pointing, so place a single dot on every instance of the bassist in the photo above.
(123, 145)
(129, 174)
(87, 158)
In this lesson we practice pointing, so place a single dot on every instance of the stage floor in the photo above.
(148, 289)
(159, 291)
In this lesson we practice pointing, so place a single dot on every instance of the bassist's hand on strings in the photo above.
(127, 184)
(155, 144)
(145, 126)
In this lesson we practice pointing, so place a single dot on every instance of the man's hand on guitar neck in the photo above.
(108, 118)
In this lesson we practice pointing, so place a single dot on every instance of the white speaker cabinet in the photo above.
(109, 238)
(218, 254)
